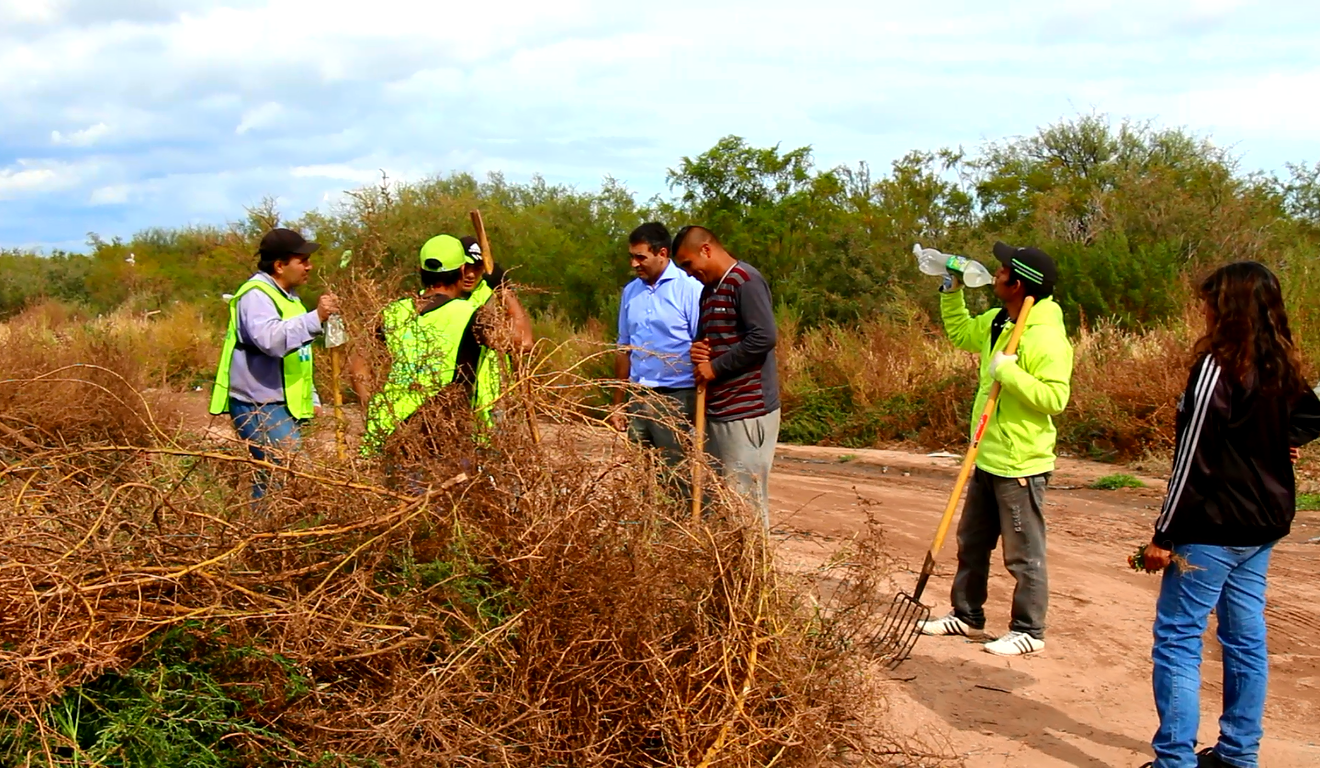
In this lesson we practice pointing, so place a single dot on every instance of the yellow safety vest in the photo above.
(298, 385)
(424, 352)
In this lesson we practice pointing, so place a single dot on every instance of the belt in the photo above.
(671, 390)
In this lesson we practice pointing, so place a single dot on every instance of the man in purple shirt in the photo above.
(269, 333)
(657, 322)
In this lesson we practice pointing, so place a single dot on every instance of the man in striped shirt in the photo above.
(734, 356)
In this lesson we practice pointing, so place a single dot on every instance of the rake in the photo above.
(893, 641)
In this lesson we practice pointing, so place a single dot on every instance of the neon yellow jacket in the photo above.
(1019, 440)
(424, 352)
(299, 390)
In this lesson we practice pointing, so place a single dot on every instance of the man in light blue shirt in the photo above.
(657, 323)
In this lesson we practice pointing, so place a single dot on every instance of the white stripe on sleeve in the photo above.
(1205, 388)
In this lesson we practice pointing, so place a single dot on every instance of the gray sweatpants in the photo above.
(744, 451)
(1011, 508)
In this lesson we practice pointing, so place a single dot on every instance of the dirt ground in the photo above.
(1085, 700)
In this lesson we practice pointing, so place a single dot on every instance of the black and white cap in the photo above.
(472, 247)
(1030, 264)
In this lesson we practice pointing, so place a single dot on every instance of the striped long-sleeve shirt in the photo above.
(738, 321)
(1232, 482)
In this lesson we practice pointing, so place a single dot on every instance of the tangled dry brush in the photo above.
(508, 602)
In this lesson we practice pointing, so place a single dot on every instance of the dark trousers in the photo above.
(1011, 508)
(662, 418)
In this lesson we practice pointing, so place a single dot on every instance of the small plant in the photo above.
(847, 457)
(1115, 482)
(1308, 502)
(1137, 562)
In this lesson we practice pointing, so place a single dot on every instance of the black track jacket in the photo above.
(1232, 482)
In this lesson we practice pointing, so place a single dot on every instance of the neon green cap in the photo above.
(444, 253)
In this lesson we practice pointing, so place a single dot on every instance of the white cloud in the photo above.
(339, 172)
(28, 11)
(263, 116)
(27, 177)
(161, 112)
(114, 194)
(84, 138)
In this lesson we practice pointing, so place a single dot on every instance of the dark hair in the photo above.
(1248, 329)
(1034, 290)
(266, 261)
(696, 235)
(432, 279)
(654, 234)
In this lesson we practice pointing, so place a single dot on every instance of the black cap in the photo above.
(285, 242)
(471, 247)
(1031, 265)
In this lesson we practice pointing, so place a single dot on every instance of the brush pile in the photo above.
(462, 602)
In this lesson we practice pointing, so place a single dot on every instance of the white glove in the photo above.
(999, 359)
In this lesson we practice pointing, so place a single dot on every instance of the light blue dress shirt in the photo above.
(660, 321)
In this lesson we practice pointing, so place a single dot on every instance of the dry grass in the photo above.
(503, 602)
(900, 381)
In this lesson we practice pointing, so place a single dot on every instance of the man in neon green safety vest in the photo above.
(264, 379)
(478, 286)
(435, 341)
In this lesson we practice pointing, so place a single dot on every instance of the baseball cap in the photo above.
(285, 242)
(445, 253)
(472, 247)
(1030, 264)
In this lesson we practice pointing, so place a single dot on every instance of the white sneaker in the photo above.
(945, 625)
(1014, 644)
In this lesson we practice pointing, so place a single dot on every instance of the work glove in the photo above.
(998, 361)
(951, 283)
(496, 277)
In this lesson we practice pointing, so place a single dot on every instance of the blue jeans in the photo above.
(270, 426)
(1231, 581)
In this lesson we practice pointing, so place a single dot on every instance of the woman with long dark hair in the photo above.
(1231, 497)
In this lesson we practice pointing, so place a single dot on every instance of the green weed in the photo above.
(192, 700)
(1115, 482)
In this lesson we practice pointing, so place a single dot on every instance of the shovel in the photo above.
(336, 336)
(893, 641)
(699, 436)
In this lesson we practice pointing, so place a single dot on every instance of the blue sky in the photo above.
(116, 115)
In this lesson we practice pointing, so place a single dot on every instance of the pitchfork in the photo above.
(901, 626)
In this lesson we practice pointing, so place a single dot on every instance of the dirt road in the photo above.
(1085, 700)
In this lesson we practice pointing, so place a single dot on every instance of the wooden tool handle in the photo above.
(336, 356)
(487, 258)
(970, 461)
(488, 262)
(699, 441)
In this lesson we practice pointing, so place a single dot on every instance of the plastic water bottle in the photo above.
(933, 262)
(335, 333)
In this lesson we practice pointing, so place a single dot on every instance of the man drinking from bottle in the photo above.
(1006, 494)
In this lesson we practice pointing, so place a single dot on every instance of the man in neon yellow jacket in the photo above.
(434, 341)
(264, 377)
(1006, 495)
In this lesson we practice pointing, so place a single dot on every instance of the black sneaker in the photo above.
(1207, 758)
